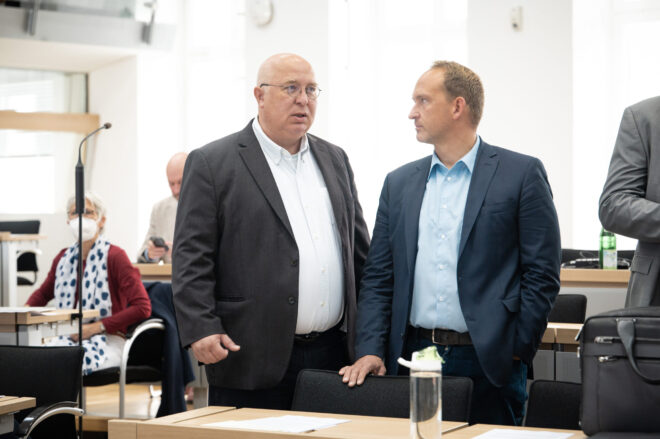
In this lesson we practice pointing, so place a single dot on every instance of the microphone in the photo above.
(80, 179)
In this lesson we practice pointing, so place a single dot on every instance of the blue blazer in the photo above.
(508, 263)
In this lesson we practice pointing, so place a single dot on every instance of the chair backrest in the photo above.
(323, 391)
(49, 374)
(554, 404)
(27, 261)
(569, 308)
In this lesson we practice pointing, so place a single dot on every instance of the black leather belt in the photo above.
(314, 336)
(445, 337)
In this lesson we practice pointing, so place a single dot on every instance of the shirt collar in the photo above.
(468, 159)
(274, 151)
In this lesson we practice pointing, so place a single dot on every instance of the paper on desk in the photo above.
(286, 423)
(34, 310)
(506, 433)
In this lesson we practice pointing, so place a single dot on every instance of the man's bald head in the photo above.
(174, 172)
(276, 65)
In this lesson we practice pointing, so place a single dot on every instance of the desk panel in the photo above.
(476, 430)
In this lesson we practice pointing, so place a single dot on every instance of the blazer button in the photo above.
(294, 262)
(292, 300)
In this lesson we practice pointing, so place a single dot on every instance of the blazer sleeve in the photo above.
(196, 238)
(375, 299)
(623, 207)
(540, 259)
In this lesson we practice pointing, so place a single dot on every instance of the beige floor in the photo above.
(103, 404)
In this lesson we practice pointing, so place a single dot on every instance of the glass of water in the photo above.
(426, 404)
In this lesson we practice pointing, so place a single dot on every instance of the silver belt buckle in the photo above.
(433, 336)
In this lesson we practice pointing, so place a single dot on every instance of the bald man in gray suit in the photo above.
(630, 203)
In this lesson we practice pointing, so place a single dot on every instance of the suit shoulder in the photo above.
(219, 146)
(517, 158)
(648, 108)
(405, 170)
(322, 143)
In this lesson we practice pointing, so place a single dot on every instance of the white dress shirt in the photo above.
(307, 203)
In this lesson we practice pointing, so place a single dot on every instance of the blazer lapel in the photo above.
(255, 161)
(411, 205)
(484, 169)
(330, 170)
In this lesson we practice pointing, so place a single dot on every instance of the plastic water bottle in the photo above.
(425, 396)
(607, 250)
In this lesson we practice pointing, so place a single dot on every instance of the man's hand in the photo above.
(154, 252)
(213, 348)
(88, 330)
(366, 365)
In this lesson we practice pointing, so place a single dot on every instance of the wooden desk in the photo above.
(569, 277)
(583, 277)
(562, 333)
(476, 430)
(192, 424)
(10, 405)
(11, 246)
(22, 328)
(154, 272)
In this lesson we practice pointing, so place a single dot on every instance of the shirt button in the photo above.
(322, 303)
(292, 300)
(442, 236)
(294, 262)
(448, 178)
(323, 270)
(441, 299)
(444, 206)
(441, 267)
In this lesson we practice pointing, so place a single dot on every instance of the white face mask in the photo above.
(89, 228)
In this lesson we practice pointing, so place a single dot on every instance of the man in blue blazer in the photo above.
(465, 254)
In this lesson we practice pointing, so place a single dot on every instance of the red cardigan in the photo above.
(130, 302)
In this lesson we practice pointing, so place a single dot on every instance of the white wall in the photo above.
(527, 77)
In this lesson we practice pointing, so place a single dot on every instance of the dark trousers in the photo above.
(327, 351)
(490, 405)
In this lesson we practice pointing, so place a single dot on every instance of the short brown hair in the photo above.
(461, 81)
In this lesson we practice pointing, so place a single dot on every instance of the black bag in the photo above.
(620, 361)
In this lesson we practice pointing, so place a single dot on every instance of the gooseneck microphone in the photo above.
(80, 173)
(80, 210)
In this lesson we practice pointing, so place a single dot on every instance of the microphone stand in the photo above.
(80, 210)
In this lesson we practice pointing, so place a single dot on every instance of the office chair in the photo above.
(554, 404)
(141, 361)
(323, 391)
(569, 308)
(27, 260)
(52, 376)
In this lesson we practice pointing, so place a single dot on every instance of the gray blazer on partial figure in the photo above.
(235, 260)
(630, 203)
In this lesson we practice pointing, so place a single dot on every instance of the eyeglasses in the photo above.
(87, 213)
(293, 90)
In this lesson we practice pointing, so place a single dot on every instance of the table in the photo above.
(11, 246)
(191, 424)
(557, 358)
(155, 272)
(10, 405)
(21, 327)
(476, 430)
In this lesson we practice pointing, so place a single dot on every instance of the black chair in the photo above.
(569, 308)
(52, 376)
(27, 260)
(141, 361)
(554, 404)
(323, 391)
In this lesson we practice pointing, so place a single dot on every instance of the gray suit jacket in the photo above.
(235, 259)
(630, 203)
(161, 224)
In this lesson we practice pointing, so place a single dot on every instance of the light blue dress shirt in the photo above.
(435, 301)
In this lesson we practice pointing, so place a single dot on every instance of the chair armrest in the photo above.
(152, 323)
(36, 416)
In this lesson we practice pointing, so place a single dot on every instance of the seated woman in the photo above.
(110, 284)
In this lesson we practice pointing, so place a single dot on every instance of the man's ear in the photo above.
(459, 107)
(259, 94)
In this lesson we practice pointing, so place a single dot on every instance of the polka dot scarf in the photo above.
(96, 295)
